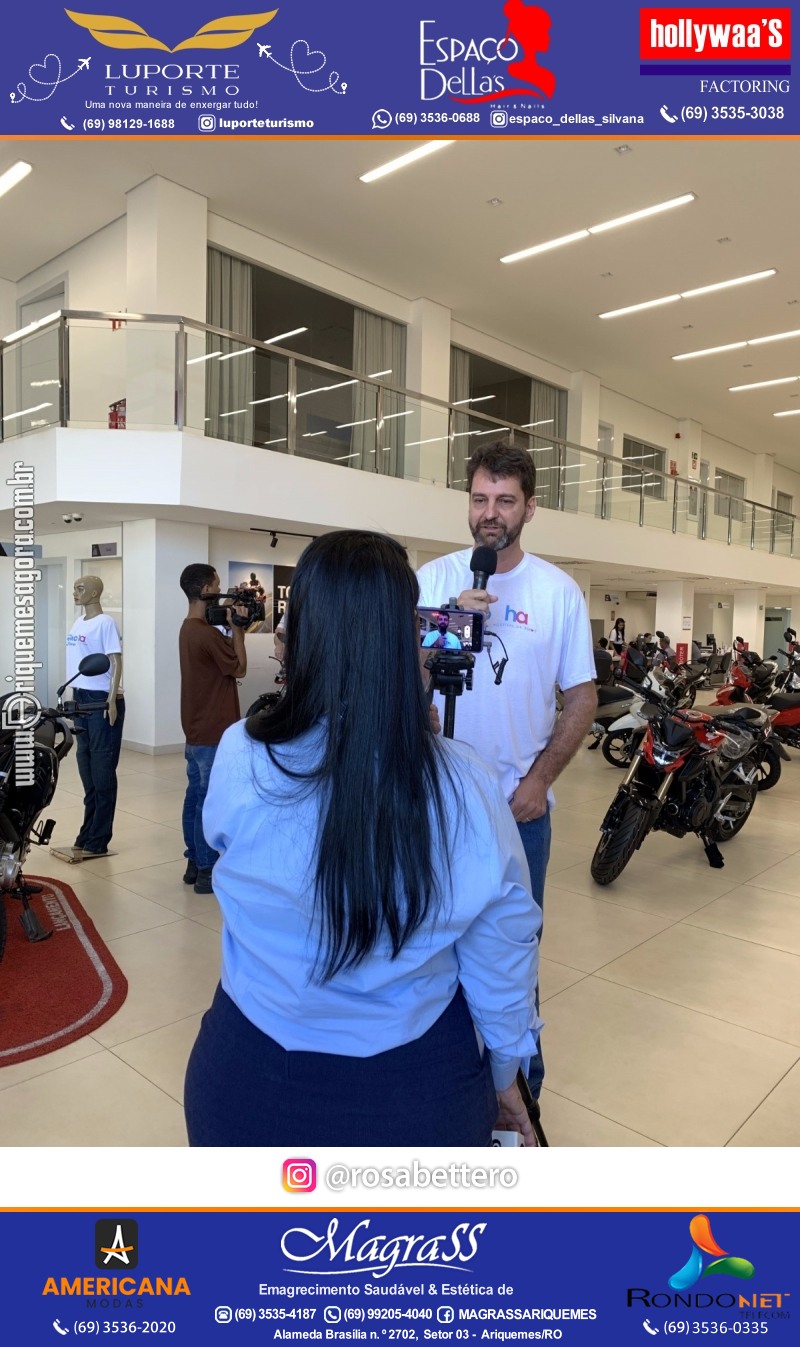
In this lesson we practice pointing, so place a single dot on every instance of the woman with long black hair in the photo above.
(375, 897)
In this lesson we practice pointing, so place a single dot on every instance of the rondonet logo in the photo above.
(360, 1251)
(688, 34)
(113, 31)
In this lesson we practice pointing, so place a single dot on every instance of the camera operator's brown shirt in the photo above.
(209, 694)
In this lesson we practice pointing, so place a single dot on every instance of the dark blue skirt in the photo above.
(244, 1089)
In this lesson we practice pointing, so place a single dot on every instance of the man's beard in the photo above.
(499, 541)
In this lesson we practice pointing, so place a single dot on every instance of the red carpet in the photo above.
(54, 992)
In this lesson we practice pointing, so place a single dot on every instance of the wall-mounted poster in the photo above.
(255, 580)
(282, 584)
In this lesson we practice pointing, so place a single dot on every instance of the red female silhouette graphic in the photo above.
(529, 26)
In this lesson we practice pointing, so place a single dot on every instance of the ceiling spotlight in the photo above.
(273, 540)
(623, 149)
(494, 201)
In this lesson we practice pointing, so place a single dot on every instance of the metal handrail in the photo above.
(63, 317)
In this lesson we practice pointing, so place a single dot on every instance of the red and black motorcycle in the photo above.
(753, 680)
(693, 773)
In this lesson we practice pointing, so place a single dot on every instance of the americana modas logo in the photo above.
(113, 31)
(696, 1266)
(116, 1243)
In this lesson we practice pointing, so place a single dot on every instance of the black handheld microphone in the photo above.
(483, 564)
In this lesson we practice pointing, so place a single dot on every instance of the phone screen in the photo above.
(450, 629)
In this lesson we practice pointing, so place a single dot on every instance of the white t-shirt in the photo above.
(92, 636)
(541, 617)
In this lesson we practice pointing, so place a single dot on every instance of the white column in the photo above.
(154, 552)
(674, 605)
(167, 243)
(749, 615)
(582, 576)
(428, 371)
(8, 307)
(583, 409)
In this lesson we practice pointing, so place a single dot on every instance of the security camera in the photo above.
(76, 518)
(67, 518)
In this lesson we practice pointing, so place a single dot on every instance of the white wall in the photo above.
(639, 614)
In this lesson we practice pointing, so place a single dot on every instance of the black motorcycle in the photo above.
(22, 804)
(693, 773)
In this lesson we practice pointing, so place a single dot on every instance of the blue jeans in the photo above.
(199, 761)
(98, 749)
(535, 837)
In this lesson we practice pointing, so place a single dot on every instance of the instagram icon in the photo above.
(299, 1176)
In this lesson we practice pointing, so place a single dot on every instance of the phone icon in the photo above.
(648, 1329)
(665, 113)
(67, 127)
(59, 1329)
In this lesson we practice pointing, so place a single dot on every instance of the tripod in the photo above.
(451, 672)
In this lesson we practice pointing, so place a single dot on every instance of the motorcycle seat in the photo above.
(605, 696)
(746, 715)
(45, 734)
(785, 701)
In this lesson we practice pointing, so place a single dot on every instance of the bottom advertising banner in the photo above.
(610, 1277)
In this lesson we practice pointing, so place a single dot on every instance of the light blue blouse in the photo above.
(482, 936)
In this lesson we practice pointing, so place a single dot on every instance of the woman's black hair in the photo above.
(352, 667)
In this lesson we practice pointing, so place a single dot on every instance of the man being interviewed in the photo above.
(539, 614)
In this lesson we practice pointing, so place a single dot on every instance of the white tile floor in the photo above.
(671, 998)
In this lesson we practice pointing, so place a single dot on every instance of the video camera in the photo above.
(219, 612)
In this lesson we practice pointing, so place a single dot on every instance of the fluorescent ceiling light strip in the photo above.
(277, 397)
(642, 214)
(344, 457)
(45, 383)
(12, 416)
(282, 441)
(692, 294)
(380, 374)
(198, 359)
(726, 285)
(314, 434)
(369, 421)
(493, 430)
(764, 383)
(546, 247)
(233, 354)
(796, 412)
(14, 175)
(636, 308)
(487, 397)
(711, 350)
(438, 439)
(421, 152)
(295, 332)
(549, 422)
(393, 415)
(601, 228)
(776, 336)
(240, 411)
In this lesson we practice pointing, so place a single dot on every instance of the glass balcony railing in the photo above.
(154, 372)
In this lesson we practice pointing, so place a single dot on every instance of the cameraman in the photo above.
(210, 665)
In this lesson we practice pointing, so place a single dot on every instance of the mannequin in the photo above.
(100, 739)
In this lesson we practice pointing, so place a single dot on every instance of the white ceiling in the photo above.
(429, 231)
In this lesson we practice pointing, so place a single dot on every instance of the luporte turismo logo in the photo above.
(695, 1267)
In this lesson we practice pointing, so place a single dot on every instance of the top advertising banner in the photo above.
(496, 68)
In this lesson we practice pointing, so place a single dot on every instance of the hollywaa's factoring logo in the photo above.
(377, 1255)
(230, 31)
(463, 67)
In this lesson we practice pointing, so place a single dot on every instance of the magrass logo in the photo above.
(694, 1268)
(116, 1243)
(113, 31)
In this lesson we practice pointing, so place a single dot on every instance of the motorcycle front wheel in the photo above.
(617, 845)
(619, 748)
